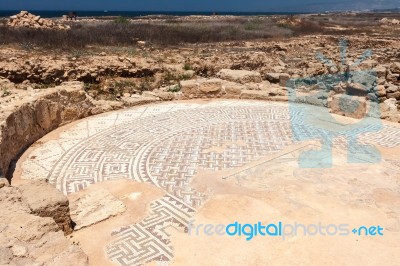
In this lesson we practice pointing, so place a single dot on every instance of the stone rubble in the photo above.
(390, 21)
(25, 19)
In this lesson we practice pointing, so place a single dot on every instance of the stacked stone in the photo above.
(27, 20)
(389, 82)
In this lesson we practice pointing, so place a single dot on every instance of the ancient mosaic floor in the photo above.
(167, 145)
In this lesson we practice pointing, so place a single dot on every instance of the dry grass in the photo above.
(176, 31)
(124, 33)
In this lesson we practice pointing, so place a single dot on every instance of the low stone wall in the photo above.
(33, 114)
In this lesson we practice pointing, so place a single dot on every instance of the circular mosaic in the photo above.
(167, 145)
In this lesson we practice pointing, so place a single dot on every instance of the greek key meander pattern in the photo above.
(166, 145)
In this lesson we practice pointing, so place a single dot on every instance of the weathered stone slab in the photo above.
(240, 76)
(46, 201)
(94, 207)
(351, 106)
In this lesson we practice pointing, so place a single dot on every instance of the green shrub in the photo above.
(121, 20)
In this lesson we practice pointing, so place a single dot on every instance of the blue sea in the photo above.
(54, 14)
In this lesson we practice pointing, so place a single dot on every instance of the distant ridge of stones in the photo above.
(24, 19)
(390, 21)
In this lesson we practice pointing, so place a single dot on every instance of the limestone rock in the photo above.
(210, 86)
(357, 89)
(381, 71)
(277, 91)
(351, 106)
(392, 88)
(255, 95)
(283, 78)
(392, 77)
(189, 86)
(139, 100)
(395, 68)
(95, 206)
(363, 78)
(239, 76)
(385, 21)
(105, 106)
(395, 95)
(380, 91)
(3, 182)
(391, 104)
(150, 94)
(232, 90)
(28, 20)
(201, 87)
(368, 64)
(28, 239)
(35, 114)
(165, 95)
(46, 201)
(6, 255)
(73, 256)
(272, 77)
(19, 251)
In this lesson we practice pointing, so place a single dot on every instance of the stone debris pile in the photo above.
(390, 21)
(27, 20)
(289, 21)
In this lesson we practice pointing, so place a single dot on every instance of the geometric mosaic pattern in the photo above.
(147, 240)
(166, 145)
